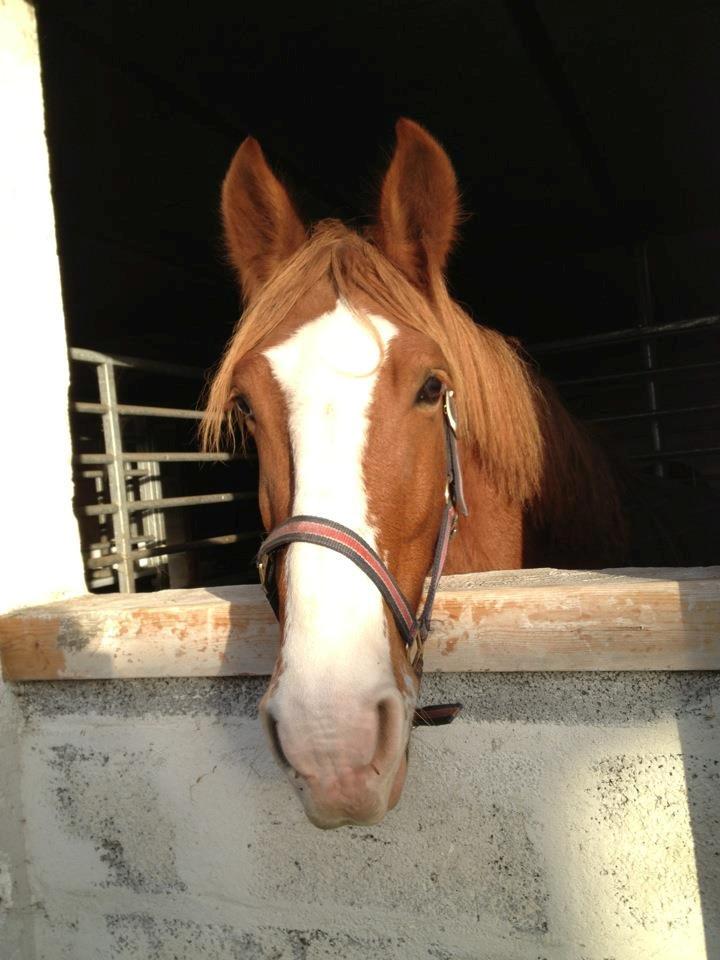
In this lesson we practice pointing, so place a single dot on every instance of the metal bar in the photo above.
(97, 563)
(91, 458)
(133, 410)
(136, 363)
(623, 336)
(107, 544)
(166, 503)
(649, 356)
(669, 454)
(141, 455)
(647, 313)
(96, 474)
(100, 510)
(116, 477)
(636, 374)
(153, 522)
(647, 414)
(173, 413)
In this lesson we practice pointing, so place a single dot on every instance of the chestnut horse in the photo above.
(338, 369)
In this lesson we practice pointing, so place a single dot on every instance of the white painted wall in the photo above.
(35, 468)
(35, 480)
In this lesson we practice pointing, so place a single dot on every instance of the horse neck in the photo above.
(491, 536)
(577, 518)
(574, 521)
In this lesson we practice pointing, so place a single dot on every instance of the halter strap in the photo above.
(334, 536)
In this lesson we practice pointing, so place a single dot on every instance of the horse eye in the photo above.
(431, 391)
(243, 406)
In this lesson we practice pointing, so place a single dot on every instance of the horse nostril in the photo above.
(388, 733)
(272, 729)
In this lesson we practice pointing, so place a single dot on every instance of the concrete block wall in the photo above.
(564, 817)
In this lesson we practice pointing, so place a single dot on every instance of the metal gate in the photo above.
(131, 511)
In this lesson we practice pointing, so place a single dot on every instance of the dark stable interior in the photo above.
(585, 140)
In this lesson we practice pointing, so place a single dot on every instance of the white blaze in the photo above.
(335, 646)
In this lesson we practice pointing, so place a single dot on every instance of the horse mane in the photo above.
(529, 446)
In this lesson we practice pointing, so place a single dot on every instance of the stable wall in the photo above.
(41, 557)
(564, 816)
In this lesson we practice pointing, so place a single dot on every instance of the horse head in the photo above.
(339, 369)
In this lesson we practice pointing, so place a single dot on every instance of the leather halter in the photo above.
(327, 533)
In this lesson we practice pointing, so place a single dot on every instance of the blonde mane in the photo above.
(502, 411)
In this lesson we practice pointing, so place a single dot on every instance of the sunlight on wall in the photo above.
(41, 548)
(622, 830)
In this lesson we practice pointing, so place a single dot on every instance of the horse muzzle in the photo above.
(348, 769)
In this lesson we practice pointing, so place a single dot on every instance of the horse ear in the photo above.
(262, 228)
(419, 205)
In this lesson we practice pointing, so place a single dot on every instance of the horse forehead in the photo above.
(341, 351)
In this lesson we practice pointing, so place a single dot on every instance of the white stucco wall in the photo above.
(41, 557)
(564, 817)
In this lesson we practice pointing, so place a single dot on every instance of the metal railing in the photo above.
(645, 335)
(128, 546)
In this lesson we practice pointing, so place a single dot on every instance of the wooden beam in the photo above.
(631, 619)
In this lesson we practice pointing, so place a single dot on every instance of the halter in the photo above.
(327, 533)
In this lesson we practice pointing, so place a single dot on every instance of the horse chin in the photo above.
(325, 822)
(369, 812)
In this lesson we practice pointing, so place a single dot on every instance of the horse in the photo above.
(340, 368)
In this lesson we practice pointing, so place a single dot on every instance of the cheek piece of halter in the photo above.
(327, 533)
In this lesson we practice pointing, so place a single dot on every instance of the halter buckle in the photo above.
(450, 501)
(416, 649)
(449, 409)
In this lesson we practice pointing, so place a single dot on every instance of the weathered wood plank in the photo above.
(632, 619)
